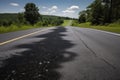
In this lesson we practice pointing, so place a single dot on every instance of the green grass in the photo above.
(113, 27)
(16, 28)
(12, 28)
(66, 23)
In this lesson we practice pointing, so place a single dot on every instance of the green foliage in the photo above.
(7, 19)
(102, 12)
(31, 13)
(15, 22)
(67, 23)
(82, 17)
(21, 19)
(41, 24)
(5, 23)
(14, 28)
(52, 20)
(56, 22)
(97, 13)
(8, 16)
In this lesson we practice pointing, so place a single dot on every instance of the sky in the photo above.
(67, 8)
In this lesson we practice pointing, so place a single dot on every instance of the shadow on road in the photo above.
(41, 59)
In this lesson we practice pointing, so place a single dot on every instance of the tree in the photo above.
(106, 14)
(82, 17)
(97, 13)
(107, 10)
(113, 10)
(21, 18)
(102, 12)
(31, 13)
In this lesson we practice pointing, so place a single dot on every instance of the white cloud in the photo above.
(71, 9)
(14, 4)
(53, 11)
(45, 12)
(53, 8)
(48, 12)
(68, 11)
(44, 7)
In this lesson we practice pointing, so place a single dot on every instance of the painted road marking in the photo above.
(15, 39)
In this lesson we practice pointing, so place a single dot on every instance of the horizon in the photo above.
(69, 8)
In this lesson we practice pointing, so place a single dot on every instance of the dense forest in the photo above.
(101, 12)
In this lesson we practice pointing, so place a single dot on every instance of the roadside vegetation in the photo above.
(102, 15)
(113, 27)
(31, 18)
(14, 28)
(67, 23)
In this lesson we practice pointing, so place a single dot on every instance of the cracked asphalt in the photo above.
(60, 53)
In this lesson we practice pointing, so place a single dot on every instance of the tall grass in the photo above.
(113, 27)
(15, 28)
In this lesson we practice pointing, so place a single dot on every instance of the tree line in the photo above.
(101, 12)
(31, 16)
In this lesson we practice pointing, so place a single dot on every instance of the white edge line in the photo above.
(116, 34)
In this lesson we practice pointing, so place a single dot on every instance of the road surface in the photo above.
(60, 53)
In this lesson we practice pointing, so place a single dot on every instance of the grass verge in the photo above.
(113, 27)
(12, 28)
(66, 23)
(15, 28)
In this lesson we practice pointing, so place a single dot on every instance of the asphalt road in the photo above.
(61, 53)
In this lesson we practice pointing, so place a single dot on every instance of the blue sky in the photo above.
(69, 8)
